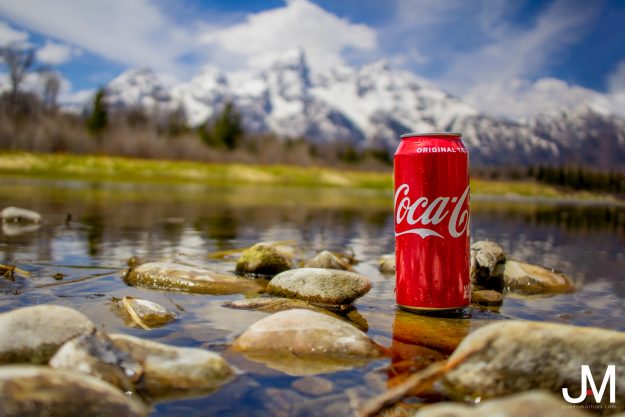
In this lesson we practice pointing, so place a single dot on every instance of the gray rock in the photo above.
(178, 277)
(304, 342)
(263, 259)
(485, 256)
(27, 390)
(168, 368)
(143, 313)
(320, 285)
(508, 357)
(313, 385)
(96, 355)
(19, 215)
(525, 278)
(386, 264)
(526, 404)
(328, 260)
(34, 334)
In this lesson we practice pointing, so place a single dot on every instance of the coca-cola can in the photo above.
(431, 176)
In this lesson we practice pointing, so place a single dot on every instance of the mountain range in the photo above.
(372, 106)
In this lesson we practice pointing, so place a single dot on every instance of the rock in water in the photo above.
(524, 278)
(96, 355)
(485, 256)
(19, 215)
(273, 305)
(386, 264)
(143, 313)
(41, 391)
(168, 368)
(328, 260)
(263, 259)
(304, 342)
(34, 334)
(487, 297)
(508, 357)
(526, 404)
(178, 277)
(318, 285)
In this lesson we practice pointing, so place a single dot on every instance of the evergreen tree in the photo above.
(98, 119)
(227, 129)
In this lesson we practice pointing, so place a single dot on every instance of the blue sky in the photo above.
(513, 58)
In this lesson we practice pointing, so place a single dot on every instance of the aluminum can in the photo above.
(431, 181)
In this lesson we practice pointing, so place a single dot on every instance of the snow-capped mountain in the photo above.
(372, 106)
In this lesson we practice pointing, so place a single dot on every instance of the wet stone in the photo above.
(523, 278)
(320, 285)
(96, 355)
(487, 297)
(179, 277)
(313, 385)
(328, 260)
(19, 215)
(304, 342)
(272, 305)
(37, 332)
(168, 368)
(526, 404)
(27, 390)
(143, 313)
(263, 259)
(508, 357)
(386, 264)
(485, 257)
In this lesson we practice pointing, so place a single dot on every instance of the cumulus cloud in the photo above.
(616, 80)
(55, 53)
(299, 24)
(133, 32)
(8, 35)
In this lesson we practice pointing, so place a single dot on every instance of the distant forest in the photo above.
(34, 121)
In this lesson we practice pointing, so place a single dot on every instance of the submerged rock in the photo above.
(304, 342)
(526, 404)
(263, 259)
(485, 257)
(143, 313)
(178, 277)
(272, 305)
(524, 278)
(41, 391)
(386, 264)
(34, 334)
(487, 297)
(96, 355)
(167, 368)
(19, 215)
(328, 260)
(318, 285)
(514, 356)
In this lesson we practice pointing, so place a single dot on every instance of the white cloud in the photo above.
(299, 24)
(9, 35)
(133, 32)
(55, 53)
(616, 80)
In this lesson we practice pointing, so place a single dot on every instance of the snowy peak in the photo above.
(137, 87)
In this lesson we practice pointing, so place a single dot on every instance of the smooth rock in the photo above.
(386, 264)
(318, 285)
(19, 215)
(530, 279)
(313, 385)
(167, 368)
(304, 342)
(29, 391)
(507, 357)
(487, 297)
(272, 305)
(328, 260)
(178, 277)
(34, 334)
(263, 259)
(143, 313)
(485, 256)
(527, 404)
(96, 355)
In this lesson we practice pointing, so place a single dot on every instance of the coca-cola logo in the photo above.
(422, 212)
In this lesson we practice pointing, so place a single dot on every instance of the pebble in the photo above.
(144, 313)
(263, 259)
(485, 257)
(386, 264)
(522, 278)
(318, 285)
(313, 385)
(487, 297)
(328, 260)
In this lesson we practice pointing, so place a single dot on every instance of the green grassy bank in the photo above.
(89, 167)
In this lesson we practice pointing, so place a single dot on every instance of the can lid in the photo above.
(412, 135)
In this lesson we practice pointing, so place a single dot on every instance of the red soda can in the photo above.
(432, 253)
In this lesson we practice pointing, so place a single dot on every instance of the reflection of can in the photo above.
(432, 222)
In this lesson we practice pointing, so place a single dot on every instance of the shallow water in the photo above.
(91, 229)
